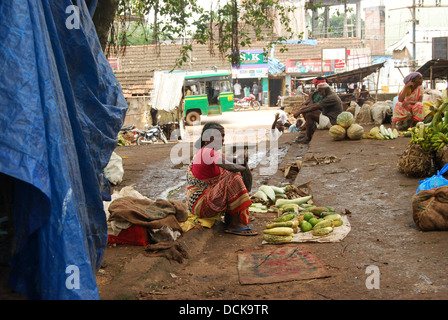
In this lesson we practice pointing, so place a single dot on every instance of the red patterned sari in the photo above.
(225, 193)
(414, 112)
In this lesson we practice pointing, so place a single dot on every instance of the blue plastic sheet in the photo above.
(61, 110)
(435, 181)
(275, 67)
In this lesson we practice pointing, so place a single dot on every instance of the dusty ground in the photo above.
(412, 263)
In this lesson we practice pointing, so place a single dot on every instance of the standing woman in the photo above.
(216, 186)
(409, 107)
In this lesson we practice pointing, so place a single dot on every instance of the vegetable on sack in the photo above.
(338, 223)
(261, 195)
(291, 207)
(323, 224)
(281, 195)
(322, 231)
(276, 239)
(308, 216)
(289, 224)
(300, 217)
(268, 191)
(278, 190)
(318, 211)
(307, 206)
(334, 216)
(281, 202)
(286, 217)
(279, 231)
(258, 209)
(305, 226)
(313, 221)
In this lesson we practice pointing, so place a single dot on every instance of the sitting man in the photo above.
(314, 97)
(323, 113)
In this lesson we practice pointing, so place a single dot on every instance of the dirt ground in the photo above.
(364, 183)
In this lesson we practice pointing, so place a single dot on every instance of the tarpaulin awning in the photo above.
(352, 76)
(434, 69)
(61, 110)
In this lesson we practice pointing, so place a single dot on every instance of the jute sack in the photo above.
(430, 209)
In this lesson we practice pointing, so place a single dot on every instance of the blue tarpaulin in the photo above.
(275, 67)
(61, 110)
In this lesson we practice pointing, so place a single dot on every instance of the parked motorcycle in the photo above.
(246, 103)
(150, 135)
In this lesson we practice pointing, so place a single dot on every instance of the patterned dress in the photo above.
(225, 193)
(414, 112)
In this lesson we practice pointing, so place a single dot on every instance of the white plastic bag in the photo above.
(114, 170)
(324, 122)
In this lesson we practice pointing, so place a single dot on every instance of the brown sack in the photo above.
(142, 211)
(430, 209)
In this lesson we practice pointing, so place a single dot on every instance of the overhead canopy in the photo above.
(434, 69)
(352, 76)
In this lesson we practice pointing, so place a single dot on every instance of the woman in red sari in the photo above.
(410, 109)
(215, 184)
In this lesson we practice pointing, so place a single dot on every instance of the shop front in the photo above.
(252, 75)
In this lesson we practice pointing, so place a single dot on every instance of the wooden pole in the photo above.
(377, 84)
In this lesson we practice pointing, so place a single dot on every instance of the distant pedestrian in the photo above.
(237, 89)
(246, 91)
(256, 91)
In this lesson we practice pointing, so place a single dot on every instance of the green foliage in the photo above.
(230, 26)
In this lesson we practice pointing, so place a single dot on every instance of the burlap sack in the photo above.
(430, 209)
(147, 213)
(364, 115)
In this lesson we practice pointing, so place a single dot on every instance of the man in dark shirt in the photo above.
(330, 106)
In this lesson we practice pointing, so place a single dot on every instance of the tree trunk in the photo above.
(103, 19)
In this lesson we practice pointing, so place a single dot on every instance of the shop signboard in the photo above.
(253, 57)
(253, 64)
(314, 66)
